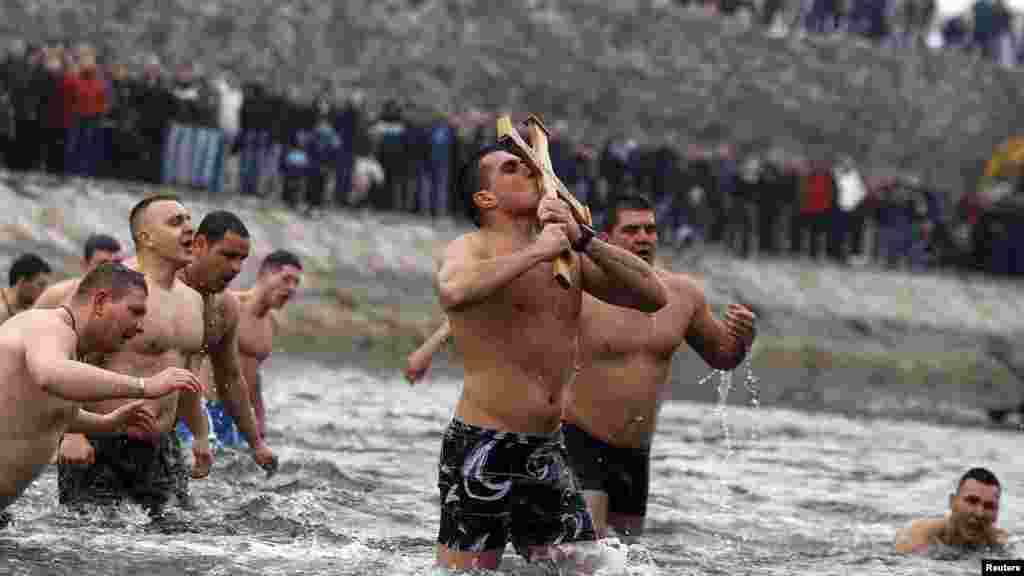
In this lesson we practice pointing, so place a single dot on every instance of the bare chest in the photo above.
(256, 337)
(537, 296)
(174, 321)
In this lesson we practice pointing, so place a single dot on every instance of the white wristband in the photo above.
(141, 387)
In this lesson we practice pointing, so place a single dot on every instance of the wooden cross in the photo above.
(537, 155)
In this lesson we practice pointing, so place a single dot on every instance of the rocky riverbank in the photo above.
(864, 341)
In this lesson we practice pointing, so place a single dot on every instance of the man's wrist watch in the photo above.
(586, 235)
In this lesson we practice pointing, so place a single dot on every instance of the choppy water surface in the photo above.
(740, 490)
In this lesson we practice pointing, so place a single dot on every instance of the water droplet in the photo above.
(725, 385)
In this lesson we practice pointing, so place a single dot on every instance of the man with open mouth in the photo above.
(970, 524)
(140, 465)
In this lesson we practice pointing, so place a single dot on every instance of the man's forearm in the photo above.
(90, 423)
(711, 339)
(482, 278)
(81, 382)
(236, 399)
(630, 272)
(190, 410)
(730, 353)
(436, 340)
(256, 396)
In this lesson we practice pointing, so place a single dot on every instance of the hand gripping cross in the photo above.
(538, 157)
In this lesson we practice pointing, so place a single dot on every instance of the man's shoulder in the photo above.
(34, 318)
(927, 527)
(471, 237)
(58, 293)
(65, 284)
(680, 283)
(230, 303)
(469, 244)
(919, 534)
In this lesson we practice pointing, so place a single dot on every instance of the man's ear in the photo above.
(100, 302)
(952, 500)
(200, 242)
(485, 199)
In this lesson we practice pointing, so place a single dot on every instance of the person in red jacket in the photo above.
(88, 102)
(817, 190)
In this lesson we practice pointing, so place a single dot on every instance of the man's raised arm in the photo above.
(722, 344)
(468, 274)
(621, 278)
(609, 273)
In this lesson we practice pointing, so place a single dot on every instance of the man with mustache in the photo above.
(43, 383)
(181, 325)
(970, 524)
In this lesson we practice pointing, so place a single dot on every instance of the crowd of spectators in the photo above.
(65, 112)
(988, 28)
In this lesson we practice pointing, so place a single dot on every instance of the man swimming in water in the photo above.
(43, 383)
(970, 524)
(503, 471)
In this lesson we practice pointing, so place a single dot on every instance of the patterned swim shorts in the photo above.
(498, 487)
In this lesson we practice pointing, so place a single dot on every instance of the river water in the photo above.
(736, 489)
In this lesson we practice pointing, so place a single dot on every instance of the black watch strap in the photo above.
(586, 235)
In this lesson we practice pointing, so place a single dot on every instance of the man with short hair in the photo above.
(503, 472)
(43, 383)
(27, 279)
(279, 277)
(220, 248)
(176, 330)
(99, 248)
(612, 407)
(970, 524)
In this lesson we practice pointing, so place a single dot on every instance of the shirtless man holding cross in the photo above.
(503, 471)
(612, 407)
